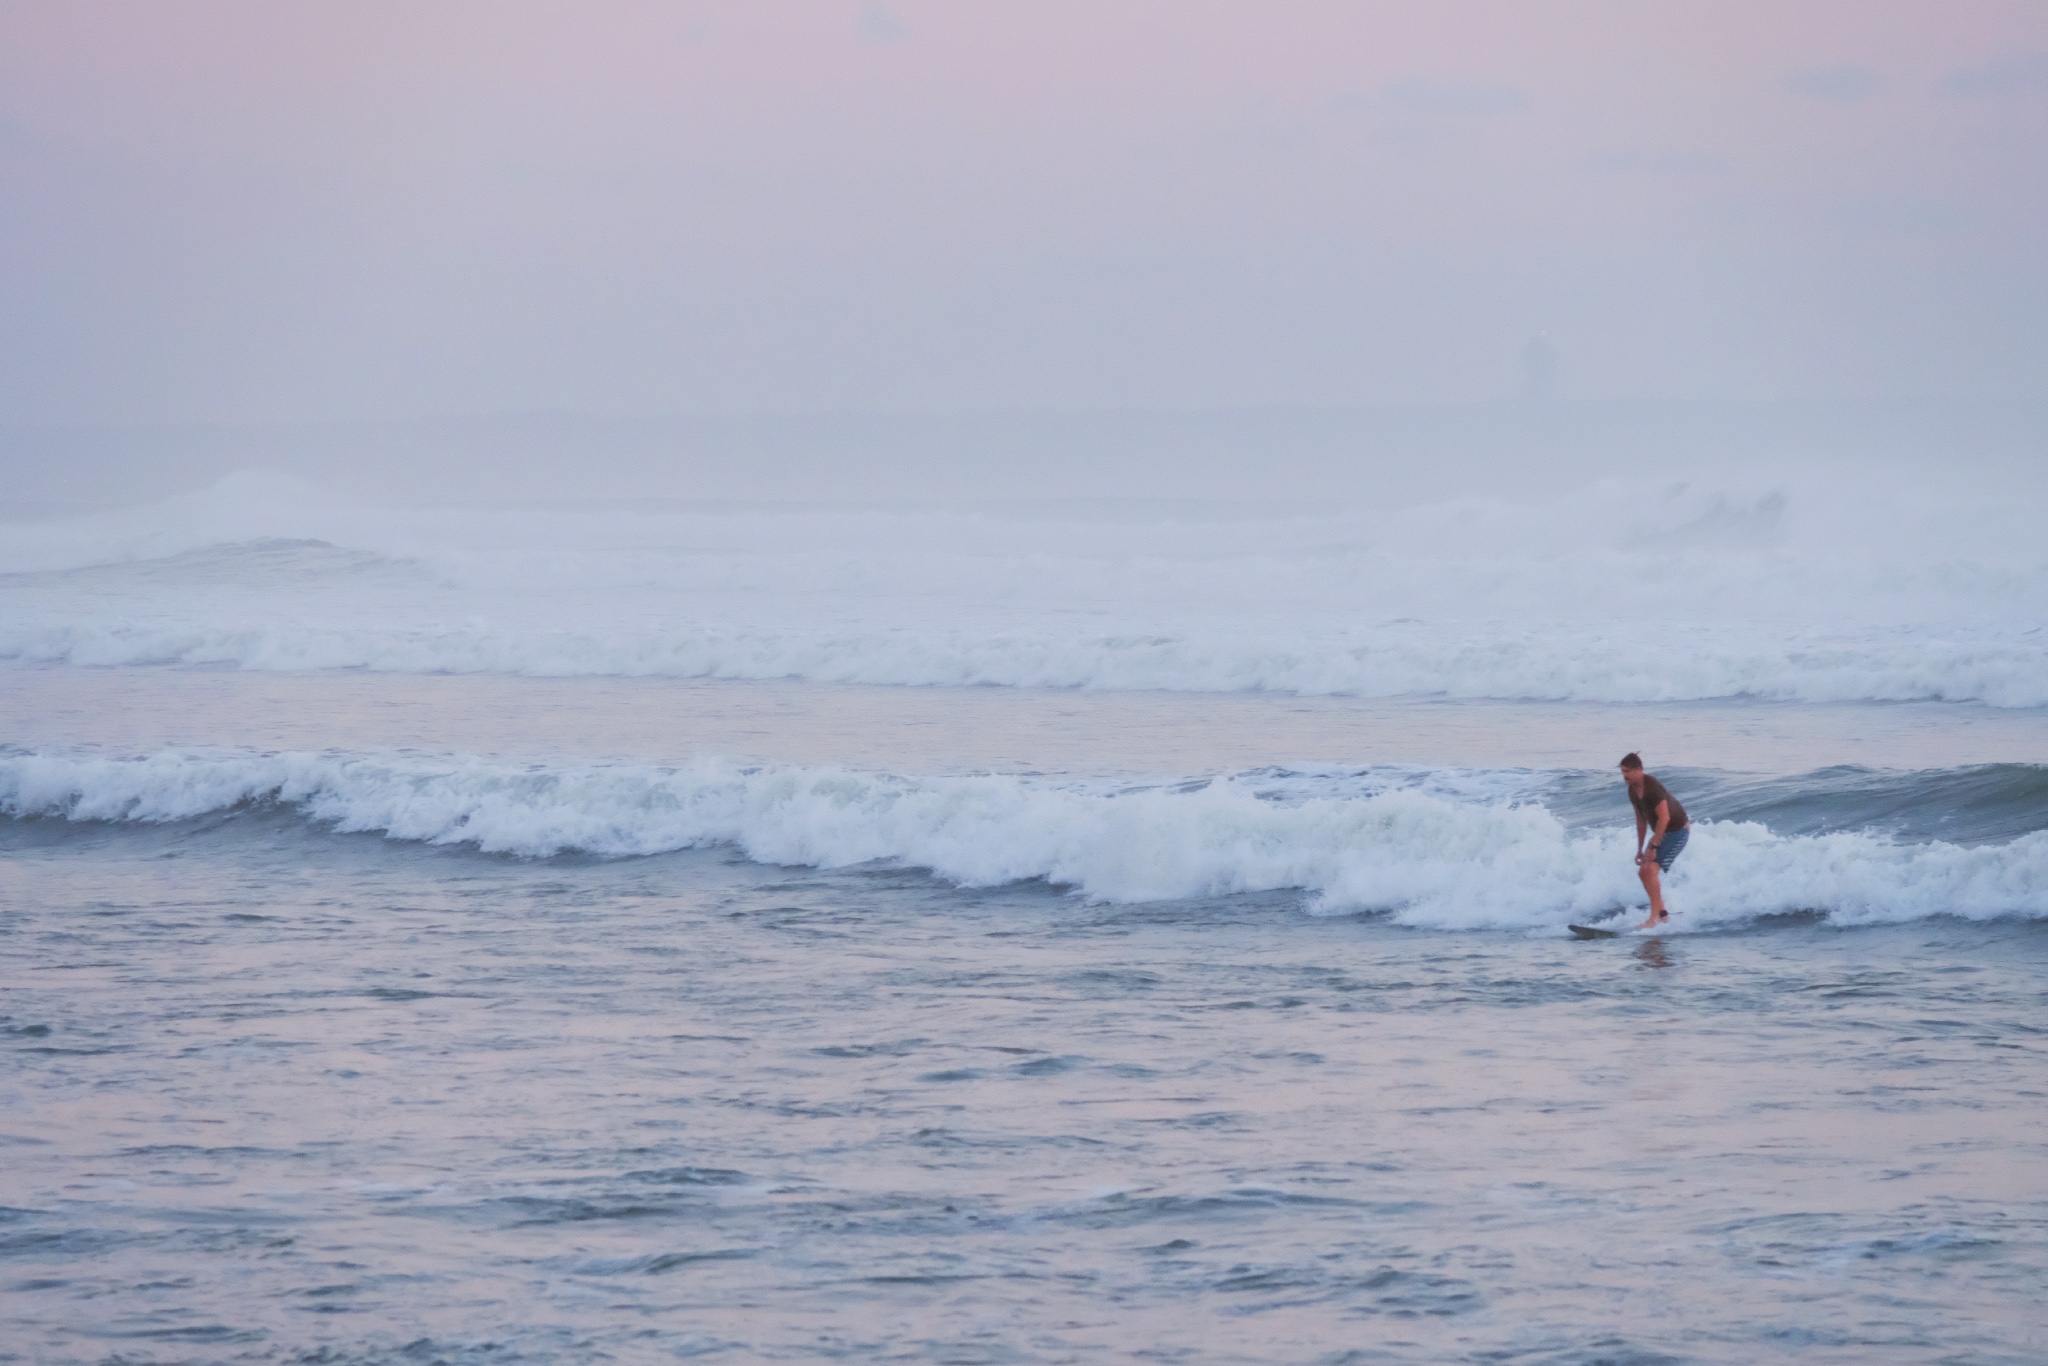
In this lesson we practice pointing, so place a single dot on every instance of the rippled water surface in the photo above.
(775, 1090)
(274, 1094)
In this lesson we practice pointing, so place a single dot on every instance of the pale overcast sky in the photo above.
(237, 211)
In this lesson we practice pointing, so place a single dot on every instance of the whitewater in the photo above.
(1817, 589)
(1456, 849)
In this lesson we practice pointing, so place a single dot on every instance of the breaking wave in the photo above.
(1443, 848)
(1821, 594)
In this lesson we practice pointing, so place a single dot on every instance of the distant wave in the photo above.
(1563, 663)
(1457, 849)
(1617, 592)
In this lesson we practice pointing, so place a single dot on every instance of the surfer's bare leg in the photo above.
(1653, 883)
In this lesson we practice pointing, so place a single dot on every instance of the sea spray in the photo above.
(1821, 592)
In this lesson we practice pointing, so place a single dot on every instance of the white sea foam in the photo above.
(1460, 850)
(1825, 592)
(1560, 662)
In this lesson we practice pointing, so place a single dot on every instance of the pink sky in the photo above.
(248, 210)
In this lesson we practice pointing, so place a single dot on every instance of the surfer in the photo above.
(1660, 816)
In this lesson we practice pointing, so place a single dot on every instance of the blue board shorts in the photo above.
(1671, 846)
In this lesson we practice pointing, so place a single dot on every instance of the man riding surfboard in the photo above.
(1660, 816)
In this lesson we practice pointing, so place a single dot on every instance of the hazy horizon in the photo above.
(1260, 460)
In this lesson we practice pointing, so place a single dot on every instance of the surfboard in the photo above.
(1588, 932)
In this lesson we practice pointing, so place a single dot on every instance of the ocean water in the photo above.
(1850, 590)
(957, 936)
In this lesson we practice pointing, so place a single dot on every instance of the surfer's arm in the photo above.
(1663, 819)
(1641, 826)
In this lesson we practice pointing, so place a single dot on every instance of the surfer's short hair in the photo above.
(1631, 760)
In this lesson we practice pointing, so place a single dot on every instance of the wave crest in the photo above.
(1445, 849)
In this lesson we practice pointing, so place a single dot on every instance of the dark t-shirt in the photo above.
(1646, 805)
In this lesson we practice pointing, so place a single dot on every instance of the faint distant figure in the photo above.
(1539, 367)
